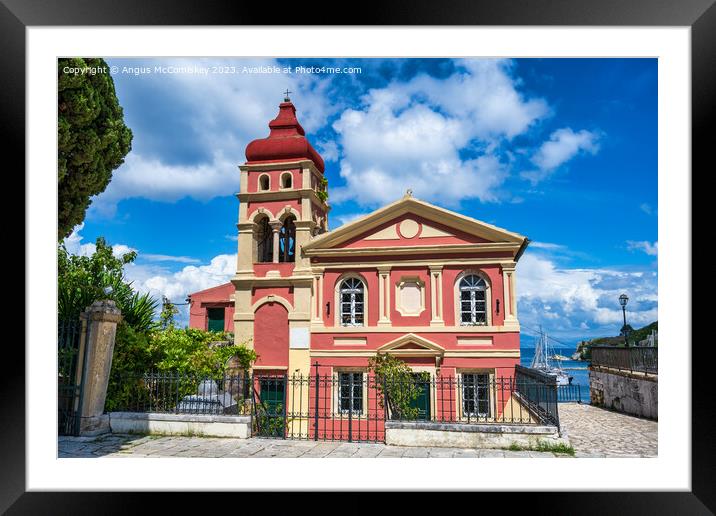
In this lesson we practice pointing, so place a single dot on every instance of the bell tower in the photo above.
(282, 206)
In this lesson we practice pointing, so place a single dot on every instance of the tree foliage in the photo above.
(168, 313)
(186, 352)
(91, 135)
(584, 348)
(395, 385)
(82, 280)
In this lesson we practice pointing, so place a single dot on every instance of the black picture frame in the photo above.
(699, 15)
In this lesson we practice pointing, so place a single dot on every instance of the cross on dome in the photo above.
(286, 141)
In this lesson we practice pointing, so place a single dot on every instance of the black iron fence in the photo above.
(537, 391)
(181, 393)
(632, 359)
(572, 393)
(69, 376)
(349, 405)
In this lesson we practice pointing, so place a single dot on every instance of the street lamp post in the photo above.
(623, 301)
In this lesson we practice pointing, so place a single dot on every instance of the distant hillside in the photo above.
(584, 351)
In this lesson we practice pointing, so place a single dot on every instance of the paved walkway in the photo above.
(118, 445)
(595, 432)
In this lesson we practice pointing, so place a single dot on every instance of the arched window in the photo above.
(286, 180)
(264, 241)
(287, 240)
(473, 301)
(264, 182)
(352, 302)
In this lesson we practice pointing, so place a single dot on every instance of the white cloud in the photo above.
(73, 244)
(584, 300)
(413, 134)
(646, 208)
(158, 280)
(151, 179)
(644, 246)
(177, 285)
(563, 145)
(169, 258)
(328, 150)
(546, 245)
(344, 219)
(223, 112)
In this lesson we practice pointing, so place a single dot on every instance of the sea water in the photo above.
(577, 369)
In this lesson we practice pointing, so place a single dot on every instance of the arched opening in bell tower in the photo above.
(264, 240)
(287, 240)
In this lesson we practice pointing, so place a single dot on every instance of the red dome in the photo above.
(287, 141)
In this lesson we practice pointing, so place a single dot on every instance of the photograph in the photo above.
(344, 257)
(418, 248)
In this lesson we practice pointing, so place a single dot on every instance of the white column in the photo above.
(276, 227)
(436, 296)
(384, 296)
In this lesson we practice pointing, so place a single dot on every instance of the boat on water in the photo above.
(544, 360)
(559, 357)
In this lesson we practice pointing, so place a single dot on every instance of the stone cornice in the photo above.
(418, 249)
(282, 195)
(277, 281)
(460, 330)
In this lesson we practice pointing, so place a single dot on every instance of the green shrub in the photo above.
(82, 280)
(395, 385)
(183, 356)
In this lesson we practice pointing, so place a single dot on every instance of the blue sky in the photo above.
(563, 151)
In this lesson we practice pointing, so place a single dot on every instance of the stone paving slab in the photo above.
(593, 432)
(154, 446)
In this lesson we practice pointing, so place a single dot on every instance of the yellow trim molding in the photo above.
(423, 209)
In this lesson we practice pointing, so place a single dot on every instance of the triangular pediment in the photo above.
(410, 222)
(411, 344)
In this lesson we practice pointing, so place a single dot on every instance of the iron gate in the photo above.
(69, 377)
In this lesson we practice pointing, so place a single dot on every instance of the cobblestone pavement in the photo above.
(595, 432)
(118, 445)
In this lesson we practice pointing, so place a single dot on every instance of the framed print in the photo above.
(436, 240)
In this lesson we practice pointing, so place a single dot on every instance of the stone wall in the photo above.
(457, 435)
(180, 424)
(630, 393)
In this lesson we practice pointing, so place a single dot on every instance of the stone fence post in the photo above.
(101, 319)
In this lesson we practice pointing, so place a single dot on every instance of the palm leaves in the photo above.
(82, 280)
(138, 311)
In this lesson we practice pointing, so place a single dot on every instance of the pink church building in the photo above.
(431, 286)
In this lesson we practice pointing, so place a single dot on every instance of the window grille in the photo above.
(352, 302)
(473, 301)
(350, 395)
(475, 395)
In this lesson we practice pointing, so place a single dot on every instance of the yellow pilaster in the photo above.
(436, 296)
(384, 296)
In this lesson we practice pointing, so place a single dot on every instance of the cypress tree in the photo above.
(91, 135)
